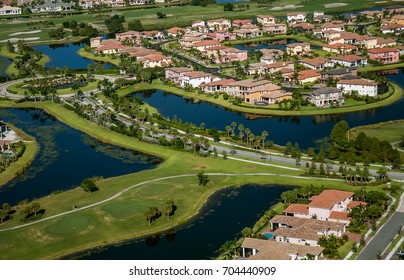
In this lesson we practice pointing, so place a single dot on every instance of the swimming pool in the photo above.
(268, 235)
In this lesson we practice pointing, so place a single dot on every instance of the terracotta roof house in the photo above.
(266, 19)
(317, 63)
(259, 249)
(217, 86)
(302, 231)
(298, 48)
(175, 74)
(195, 79)
(296, 17)
(385, 55)
(305, 76)
(340, 48)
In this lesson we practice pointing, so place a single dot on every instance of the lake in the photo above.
(4, 63)
(58, 54)
(306, 130)
(222, 218)
(66, 157)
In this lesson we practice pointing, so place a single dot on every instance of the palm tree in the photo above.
(233, 125)
(228, 130)
(247, 131)
(264, 135)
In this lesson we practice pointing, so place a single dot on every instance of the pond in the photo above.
(4, 63)
(306, 130)
(58, 54)
(66, 157)
(222, 218)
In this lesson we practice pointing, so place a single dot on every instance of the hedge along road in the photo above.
(161, 179)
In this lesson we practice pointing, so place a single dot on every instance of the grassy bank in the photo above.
(123, 218)
(382, 67)
(11, 69)
(105, 59)
(391, 131)
(24, 161)
(260, 110)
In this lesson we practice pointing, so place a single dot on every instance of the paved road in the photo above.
(384, 235)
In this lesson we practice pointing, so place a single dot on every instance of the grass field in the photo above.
(259, 110)
(390, 131)
(123, 218)
(105, 59)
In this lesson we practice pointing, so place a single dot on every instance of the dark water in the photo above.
(270, 44)
(306, 130)
(66, 55)
(4, 63)
(66, 157)
(226, 213)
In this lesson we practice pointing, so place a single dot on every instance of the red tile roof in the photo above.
(353, 204)
(339, 216)
(382, 50)
(297, 208)
(328, 198)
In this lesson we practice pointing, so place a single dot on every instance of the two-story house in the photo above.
(325, 97)
(385, 55)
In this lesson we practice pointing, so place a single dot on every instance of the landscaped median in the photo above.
(123, 217)
(395, 94)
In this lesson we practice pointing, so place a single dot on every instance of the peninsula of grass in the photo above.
(391, 131)
(107, 59)
(16, 88)
(12, 69)
(123, 217)
(394, 94)
(19, 166)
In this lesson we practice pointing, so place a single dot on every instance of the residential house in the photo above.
(8, 10)
(205, 44)
(132, 36)
(266, 19)
(304, 77)
(216, 86)
(294, 17)
(320, 17)
(254, 95)
(155, 60)
(275, 97)
(397, 19)
(218, 24)
(392, 28)
(52, 7)
(275, 28)
(175, 74)
(385, 55)
(304, 231)
(152, 35)
(360, 86)
(113, 48)
(303, 27)
(372, 14)
(222, 35)
(336, 74)
(325, 97)
(271, 55)
(318, 63)
(141, 2)
(248, 31)
(260, 249)
(195, 79)
(340, 48)
(298, 48)
(394, 9)
(324, 206)
(350, 60)
(176, 31)
(335, 25)
(244, 87)
(95, 42)
(263, 68)
(223, 54)
(388, 42)
(200, 26)
(240, 22)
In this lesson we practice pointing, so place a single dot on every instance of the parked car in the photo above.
(400, 253)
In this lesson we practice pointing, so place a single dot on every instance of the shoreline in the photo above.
(19, 166)
(158, 85)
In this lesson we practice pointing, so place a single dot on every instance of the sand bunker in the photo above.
(380, 2)
(26, 32)
(17, 39)
(334, 5)
(397, 1)
(287, 7)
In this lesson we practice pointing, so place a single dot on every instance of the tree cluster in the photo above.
(361, 149)
(89, 185)
(31, 211)
(115, 24)
(135, 25)
(57, 33)
(300, 195)
(202, 178)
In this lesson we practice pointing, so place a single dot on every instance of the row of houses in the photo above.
(252, 91)
(149, 58)
(295, 234)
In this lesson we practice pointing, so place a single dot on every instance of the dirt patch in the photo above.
(199, 166)
(249, 167)
(334, 5)
(397, 1)
(13, 40)
(26, 32)
(287, 7)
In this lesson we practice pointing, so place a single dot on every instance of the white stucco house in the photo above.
(361, 86)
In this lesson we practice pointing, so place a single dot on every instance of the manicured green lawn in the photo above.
(390, 131)
(12, 70)
(105, 58)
